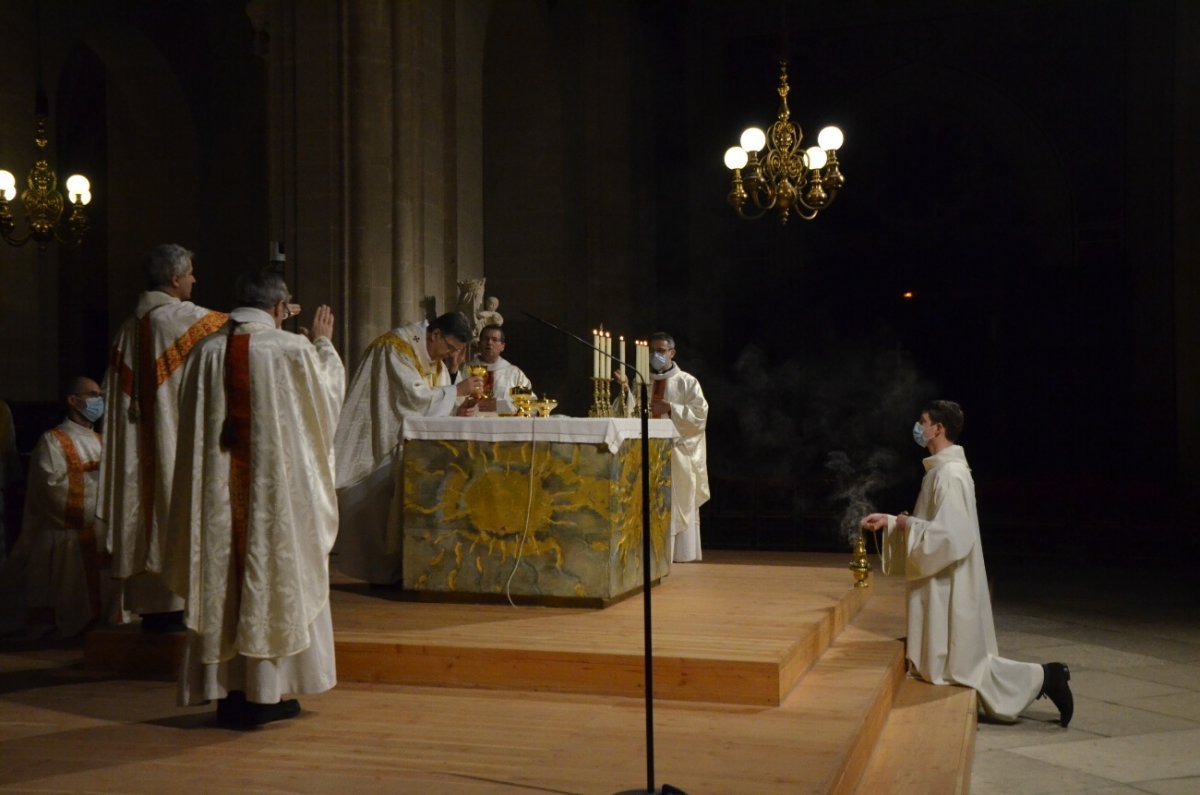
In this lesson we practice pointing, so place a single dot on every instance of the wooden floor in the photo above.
(67, 728)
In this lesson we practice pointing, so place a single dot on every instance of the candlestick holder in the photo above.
(601, 398)
(860, 567)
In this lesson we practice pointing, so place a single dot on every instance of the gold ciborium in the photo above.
(860, 567)
(480, 371)
(522, 399)
(545, 406)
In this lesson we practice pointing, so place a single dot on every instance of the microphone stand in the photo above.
(647, 617)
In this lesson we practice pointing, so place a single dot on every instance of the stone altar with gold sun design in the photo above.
(466, 485)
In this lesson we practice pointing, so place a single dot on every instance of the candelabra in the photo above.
(42, 202)
(601, 398)
(786, 177)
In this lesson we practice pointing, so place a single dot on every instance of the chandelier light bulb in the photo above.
(78, 187)
(735, 158)
(830, 139)
(814, 157)
(753, 139)
(8, 185)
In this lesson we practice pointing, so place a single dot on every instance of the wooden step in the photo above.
(126, 736)
(928, 744)
(127, 651)
(737, 634)
(732, 633)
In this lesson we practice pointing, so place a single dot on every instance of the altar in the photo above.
(548, 509)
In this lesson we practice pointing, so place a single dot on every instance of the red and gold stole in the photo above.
(658, 391)
(73, 517)
(143, 390)
(235, 439)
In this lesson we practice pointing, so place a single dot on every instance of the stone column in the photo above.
(366, 165)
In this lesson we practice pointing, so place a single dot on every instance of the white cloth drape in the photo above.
(396, 379)
(135, 540)
(951, 634)
(689, 461)
(296, 389)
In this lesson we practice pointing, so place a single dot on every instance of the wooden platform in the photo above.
(734, 633)
(772, 675)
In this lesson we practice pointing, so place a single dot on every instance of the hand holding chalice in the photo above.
(479, 371)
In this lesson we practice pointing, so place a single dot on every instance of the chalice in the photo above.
(522, 398)
(546, 405)
(480, 371)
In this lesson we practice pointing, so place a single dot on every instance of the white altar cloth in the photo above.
(609, 431)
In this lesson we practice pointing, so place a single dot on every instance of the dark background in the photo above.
(1016, 165)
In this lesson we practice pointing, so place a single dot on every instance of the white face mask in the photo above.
(93, 409)
(919, 435)
(658, 361)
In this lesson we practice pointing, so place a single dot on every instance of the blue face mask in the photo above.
(93, 409)
(919, 435)
(658, 361)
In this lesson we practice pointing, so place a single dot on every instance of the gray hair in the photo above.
(165, 262)
(262, 288)
(664, 336)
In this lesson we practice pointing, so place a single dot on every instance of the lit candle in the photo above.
(607, 354)
(595, 354)
(622, 352)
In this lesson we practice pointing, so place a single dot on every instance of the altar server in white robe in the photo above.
(951, 635)
(253, 509)
(677, 396)
(141, 427)
(502, 375)
(55, 569)
(401, 375)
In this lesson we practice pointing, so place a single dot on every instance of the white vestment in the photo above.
(396, 379)
(55, 559)
(254, 513)
(951, 635)
(504, 375)
(689, 458)
(141, 424)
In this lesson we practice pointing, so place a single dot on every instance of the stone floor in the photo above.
(1133, 645)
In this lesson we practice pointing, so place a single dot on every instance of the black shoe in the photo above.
(266, 713)
(1054, 685)
(235, 712)
(163, 623)
(232, 712)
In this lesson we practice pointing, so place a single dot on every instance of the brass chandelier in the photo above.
(42, 202)
(786, 177)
